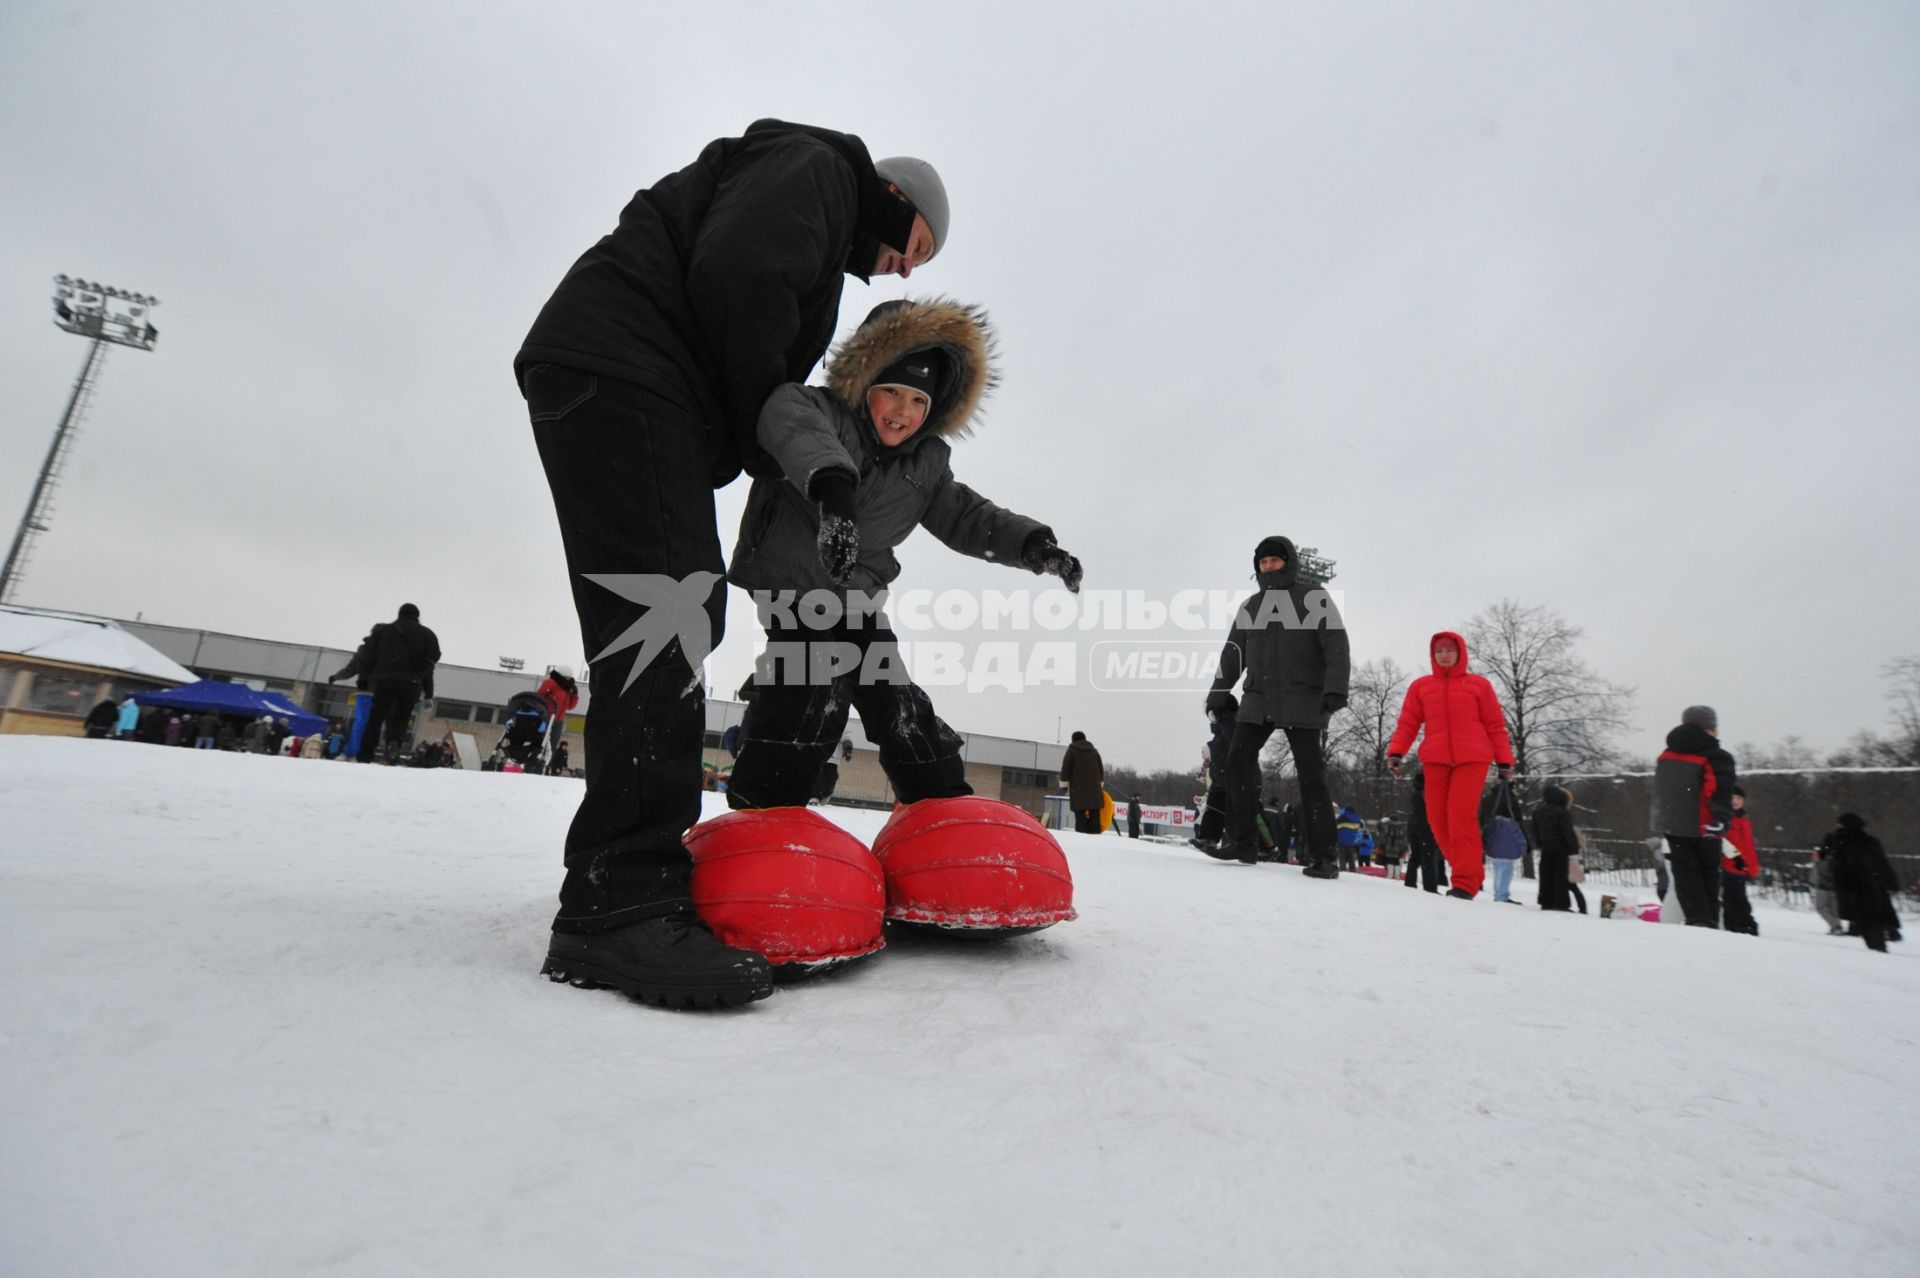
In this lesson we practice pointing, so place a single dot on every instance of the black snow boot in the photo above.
(1459, 895)
(671, 961)
(1228, 850)
(1321, 870)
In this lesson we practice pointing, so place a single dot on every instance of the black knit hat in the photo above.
(1852, 821)
(409, 610)
(1275, 546)
(921, 370)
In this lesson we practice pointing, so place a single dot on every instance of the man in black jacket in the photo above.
(101, 718)
(397, 659)
(1291, 644)
(1692, 807)
(644, 377)
(1084, 774)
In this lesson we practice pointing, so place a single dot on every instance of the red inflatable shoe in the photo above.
(973, 865)
(788, 884)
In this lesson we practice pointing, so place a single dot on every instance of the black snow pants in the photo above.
(387, 719)
(1734, 904)
(1696, 879)
(628, 469)
(797, 718)
(1309, 765)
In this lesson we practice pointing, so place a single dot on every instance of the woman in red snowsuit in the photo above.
(1465, 732)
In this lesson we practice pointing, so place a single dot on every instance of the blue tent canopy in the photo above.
(235, 699)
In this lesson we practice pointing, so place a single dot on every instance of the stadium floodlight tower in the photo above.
(106, 316)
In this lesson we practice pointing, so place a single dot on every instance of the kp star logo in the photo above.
(676, 608)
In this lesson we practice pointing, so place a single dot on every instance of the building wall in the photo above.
(52, 698)
(300, 671)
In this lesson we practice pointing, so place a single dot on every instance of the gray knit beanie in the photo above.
(1702, 715)
(919, 182)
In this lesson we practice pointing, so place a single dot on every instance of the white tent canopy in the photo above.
(84, 641)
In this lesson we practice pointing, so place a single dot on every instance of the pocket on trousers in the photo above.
(552, 391)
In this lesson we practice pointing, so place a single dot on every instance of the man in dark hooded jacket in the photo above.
(644, 377)
(1692, 807)
(1290, 643)
(1086, 776)
(399, 659)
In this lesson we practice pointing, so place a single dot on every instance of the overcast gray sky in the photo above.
(1613, 308)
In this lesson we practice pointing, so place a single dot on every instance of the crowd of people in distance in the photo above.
(392, 671)
(1458, 833)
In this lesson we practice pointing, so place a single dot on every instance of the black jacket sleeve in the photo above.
(778, 227)
(1233, 656)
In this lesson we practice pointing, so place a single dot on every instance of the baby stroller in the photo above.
(523, 745)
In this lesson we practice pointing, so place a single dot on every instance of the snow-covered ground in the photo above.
(272, 1016)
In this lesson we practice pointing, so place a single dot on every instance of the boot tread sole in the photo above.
(724, 990)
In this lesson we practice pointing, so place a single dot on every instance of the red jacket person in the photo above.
(1466, 732)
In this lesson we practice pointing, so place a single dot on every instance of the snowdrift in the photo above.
(277, 1016)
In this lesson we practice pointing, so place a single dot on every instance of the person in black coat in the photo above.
(1291, 644)
(397, 659)
(1557, 842)
(644, 375)
(101, 718)
(1423, 850)
(1864, 881)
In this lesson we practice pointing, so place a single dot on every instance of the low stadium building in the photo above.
(470, 701)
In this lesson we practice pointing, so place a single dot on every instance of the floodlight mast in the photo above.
(106, 316)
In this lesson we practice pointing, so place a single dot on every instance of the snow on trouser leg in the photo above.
(973, 866)
(789, 884)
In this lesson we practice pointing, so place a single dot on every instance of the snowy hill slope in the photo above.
(270, 1016)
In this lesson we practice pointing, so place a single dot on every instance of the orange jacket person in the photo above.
(1465, 732)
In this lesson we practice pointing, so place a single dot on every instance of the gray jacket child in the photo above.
(820, 434)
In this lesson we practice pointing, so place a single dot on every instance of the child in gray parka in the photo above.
(865, 460)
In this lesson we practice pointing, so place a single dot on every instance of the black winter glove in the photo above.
(1042, 556)
(1218, 701)
(839, 547)
(1334, 702)
(833, 491)
(839, 540)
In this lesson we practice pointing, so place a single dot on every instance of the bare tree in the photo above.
(1357, 739)
(1563, 717)
(1788, 753)
(1903, 748)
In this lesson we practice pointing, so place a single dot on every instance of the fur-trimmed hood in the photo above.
(901, 327)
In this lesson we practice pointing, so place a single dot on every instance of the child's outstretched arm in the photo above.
(972, 525)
